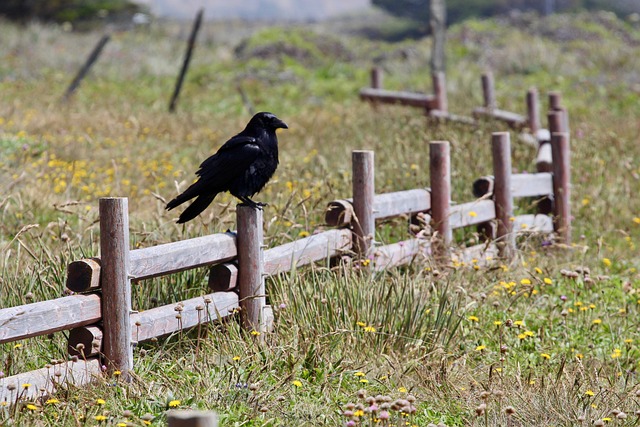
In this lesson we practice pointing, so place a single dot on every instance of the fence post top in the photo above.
(438, 142)
(112, 198)
(501, 136)
(362, 151)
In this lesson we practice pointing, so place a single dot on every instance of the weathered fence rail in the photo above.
(104, 329)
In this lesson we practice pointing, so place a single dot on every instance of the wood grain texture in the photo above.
(116, 284)
(562, 185)
(439, 82)
(533, 223)
(45, 317)
(250, 266)
(488, 90)
(87, 336)
(412, 99)
(182, 255)
(555, 100)
(49, 380)
(83, 275)
(160, 321)
(450, 117)
(401, 253)
(385, 205)
(533, 110)
(223, 277)
(544, 158)
(440, 174)
(472, 213)
(363, 187)
(339, 213)
(376, 78)
(514, 120)
(503, 199)
(317, 247)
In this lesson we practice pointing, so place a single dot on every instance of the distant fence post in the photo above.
(250, 266)
(116, 284)
(562, 185)
(363, 183)
(555, 101)
(533, 110)
(93, 56)
(187, 59)
(501, 153)
(440, 170)
(190, 418)
(440, 91)
(376, 78)
(488, 90)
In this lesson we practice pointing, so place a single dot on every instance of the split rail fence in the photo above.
(104, 329)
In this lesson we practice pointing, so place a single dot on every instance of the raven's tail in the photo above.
(194, 208)
(188, 194)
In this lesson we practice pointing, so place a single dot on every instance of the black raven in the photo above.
(242, 166)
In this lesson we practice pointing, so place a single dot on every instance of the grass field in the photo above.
(551, 340)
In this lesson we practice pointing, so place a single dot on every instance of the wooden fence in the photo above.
(104, 329)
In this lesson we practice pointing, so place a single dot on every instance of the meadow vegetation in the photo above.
(551, 339)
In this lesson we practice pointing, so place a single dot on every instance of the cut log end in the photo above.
(83, 275)
(223, 277)
(339, 213)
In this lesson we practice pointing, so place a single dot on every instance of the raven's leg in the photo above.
(247, 201)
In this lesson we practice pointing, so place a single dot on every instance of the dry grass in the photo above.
(560, 350)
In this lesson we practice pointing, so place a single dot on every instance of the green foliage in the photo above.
(65, 10)
(448, 335)
(460, 10)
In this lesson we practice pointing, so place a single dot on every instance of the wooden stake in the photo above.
(556, 122)
(250, 266)
(503, 198)
(488, 90)
(555, 101)
(440, 90)
(533, 110)
(562, 185)
(187, 58)
(376, 78)
(116, 284)
(440, 170)
(93, 56)
(363, 183)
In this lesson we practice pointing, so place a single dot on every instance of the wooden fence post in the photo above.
(376, 78)
(488, 90)
(187, 58)
(116, 285)
(555, 101)
(533, 110)
(190, 418)
(440, 171)
(562, 185)
(93, 56)
(501, 153)
(363, 188)
(440, 91)
(250, 266)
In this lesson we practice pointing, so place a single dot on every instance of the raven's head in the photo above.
(268, 121)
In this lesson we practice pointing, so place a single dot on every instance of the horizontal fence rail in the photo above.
(232, 256)
(46, 317)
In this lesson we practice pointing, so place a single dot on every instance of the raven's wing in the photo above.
(218, 171)
(230, 162)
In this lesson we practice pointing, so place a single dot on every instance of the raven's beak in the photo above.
(280, 124)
